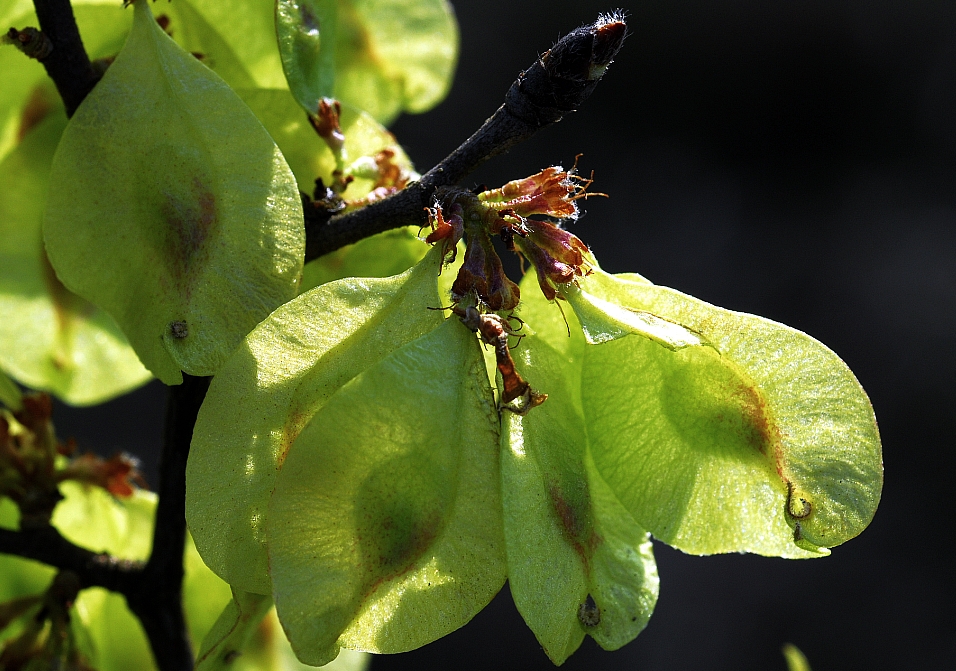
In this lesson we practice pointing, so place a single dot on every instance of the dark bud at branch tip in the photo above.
(584, 53)
(609, 33)
(563, 78)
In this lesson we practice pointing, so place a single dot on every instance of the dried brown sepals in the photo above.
(117, 475)
(450, 230)
(28, 452)
(483, 275)
(551, 192)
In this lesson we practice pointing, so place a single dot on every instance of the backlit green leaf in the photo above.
(307, 31)
(796, 660)
(248, 28)
(382, 56)
(577, 562)
(602, 321)
(280, 376)
(194, 33)
(742, 446)
(385, 525)
(50, 338)
(188, 200)
(248, 637)
(381, 255)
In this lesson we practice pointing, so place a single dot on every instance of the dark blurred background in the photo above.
(794, 159)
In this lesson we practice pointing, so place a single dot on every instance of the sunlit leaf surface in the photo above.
(760, 439)
(277, 379)
(189, 200)
(385, 533)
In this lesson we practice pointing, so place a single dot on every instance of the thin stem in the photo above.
(46, 544)
(158, 600)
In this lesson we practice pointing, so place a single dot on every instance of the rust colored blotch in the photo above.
(403, 540)
(68, 307)
(575, 523)
(191, 224)
(763, 433)
(589, 614)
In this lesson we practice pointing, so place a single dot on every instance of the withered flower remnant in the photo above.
(558, 256)
(483, 274)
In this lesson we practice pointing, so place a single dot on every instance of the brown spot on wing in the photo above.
(575, 520)
(192, 221)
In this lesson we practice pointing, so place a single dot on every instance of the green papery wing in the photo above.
(385, 525)
(281, 374)
(577, 562)
(307, 31)
(206, 41)
(245, 27)
(183, 221)
(50, 338)
(247, 636)
(381, 255)
(382, 56)
(760, 439)
(10, 394)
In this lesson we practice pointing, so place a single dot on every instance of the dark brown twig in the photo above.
(67, 63)
(157, 601)
(46, 544)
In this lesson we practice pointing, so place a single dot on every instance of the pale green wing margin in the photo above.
(185, 201)
(280, 375)
(764, 438)
(577, 562)
(385, 525)
(51, 339)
